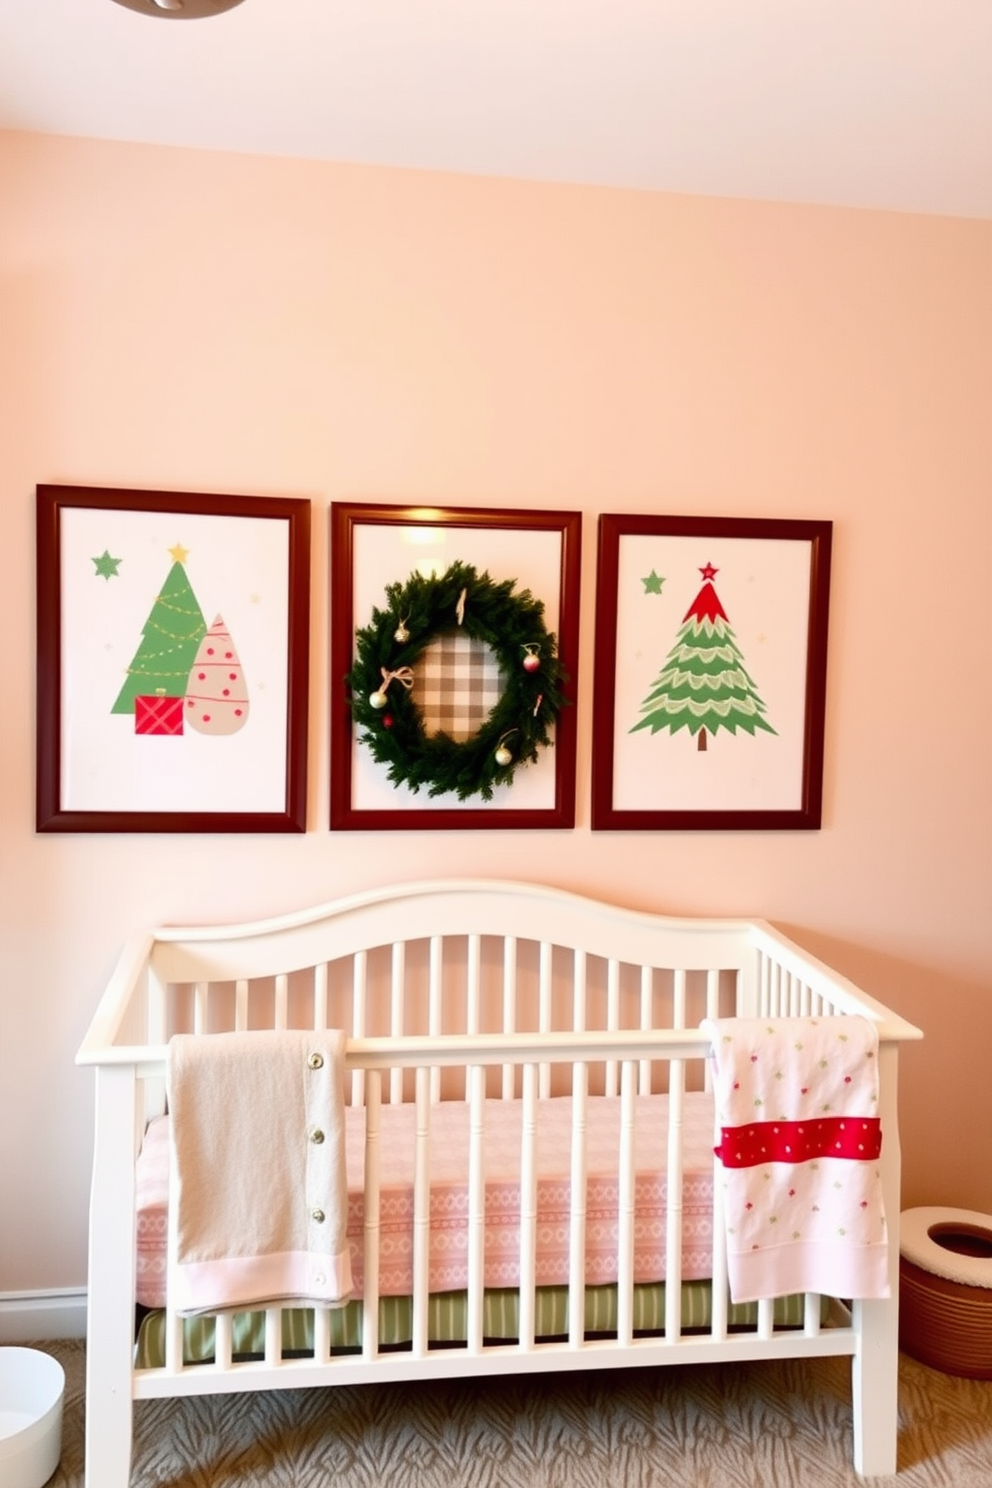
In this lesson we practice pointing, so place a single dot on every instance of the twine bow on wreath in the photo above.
(531, 678)
(380, 697)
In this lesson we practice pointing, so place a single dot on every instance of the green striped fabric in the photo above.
(447, 1320)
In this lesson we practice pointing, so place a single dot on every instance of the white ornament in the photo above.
(503, 755)
(378, 699)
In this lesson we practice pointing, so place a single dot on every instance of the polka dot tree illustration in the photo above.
(156, 678)
(704, 685)
(216, 695)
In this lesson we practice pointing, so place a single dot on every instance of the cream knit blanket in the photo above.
(258, 1161)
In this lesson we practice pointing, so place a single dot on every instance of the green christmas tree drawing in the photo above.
(704, 685)
(170, 640)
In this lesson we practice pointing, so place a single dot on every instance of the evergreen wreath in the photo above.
(381, 681)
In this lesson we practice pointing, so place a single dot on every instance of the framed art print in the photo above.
(710, 673)
(173, 658)
(454, 640)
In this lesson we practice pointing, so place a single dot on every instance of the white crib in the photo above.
(481, 992)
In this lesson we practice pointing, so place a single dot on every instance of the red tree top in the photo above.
(706, 605)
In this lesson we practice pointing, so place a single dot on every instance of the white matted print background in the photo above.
(763, 587)
(238, 567)
(386, 554)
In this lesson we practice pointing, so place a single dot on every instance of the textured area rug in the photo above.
(774, 1425)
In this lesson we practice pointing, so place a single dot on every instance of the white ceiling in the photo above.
(869, 103)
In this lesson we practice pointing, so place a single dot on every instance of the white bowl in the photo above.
(32, 1386)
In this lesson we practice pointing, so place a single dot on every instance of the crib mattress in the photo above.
(447, 1321)
(449, 1195)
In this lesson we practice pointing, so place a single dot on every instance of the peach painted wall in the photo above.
(192, 321)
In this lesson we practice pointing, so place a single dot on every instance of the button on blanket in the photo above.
(799, 1139)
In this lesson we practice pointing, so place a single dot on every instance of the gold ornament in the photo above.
(503, 755)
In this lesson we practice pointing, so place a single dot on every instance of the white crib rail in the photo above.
(380, 1059)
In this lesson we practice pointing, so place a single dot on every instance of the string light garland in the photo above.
(383, 694)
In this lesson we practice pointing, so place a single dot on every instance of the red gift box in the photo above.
(158, 715)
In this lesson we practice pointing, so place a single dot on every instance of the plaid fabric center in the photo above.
(456, 685)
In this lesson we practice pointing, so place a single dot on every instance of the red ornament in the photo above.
(531, 661)
(387, 720)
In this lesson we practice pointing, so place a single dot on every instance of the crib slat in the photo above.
(626, 1200)
(612, 1019)
(435, 971)
(712, 1011)
(473, 1021)
(678, 1000)
(156, 1031)
(173, 1322)
(577, 1208)
(370, 1309)
(321, 1334)
(673, 1208)
(528, 1207)
(712, 993)
(476, 1205)
(579, 991)
(222, 1342)
(647, 983)
(509, 1008)
(157, 1004)
(281, 1018)
(544, 1007)
(396, 1017)
(421, 1211)
(241, 1002)
(359, 992)
(273, 1335)
(775, 997)
(173, 1341)
(718, 1270)
(201, 1007)
(320, 995)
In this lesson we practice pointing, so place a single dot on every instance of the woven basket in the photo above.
(946, 1323)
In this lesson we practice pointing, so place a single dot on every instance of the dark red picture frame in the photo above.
(346, 518)
(806, 813)
(52, 815)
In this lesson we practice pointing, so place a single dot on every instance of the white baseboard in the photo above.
(35, 1317)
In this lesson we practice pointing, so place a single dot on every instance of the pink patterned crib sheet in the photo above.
(449, 1197)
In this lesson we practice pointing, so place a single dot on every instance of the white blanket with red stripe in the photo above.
(798, 1135)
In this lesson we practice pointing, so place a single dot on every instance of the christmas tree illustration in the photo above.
(216, 694)
(703, 685)
(170, 640)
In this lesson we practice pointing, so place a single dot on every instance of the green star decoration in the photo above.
(652, 584)
(106, 567)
